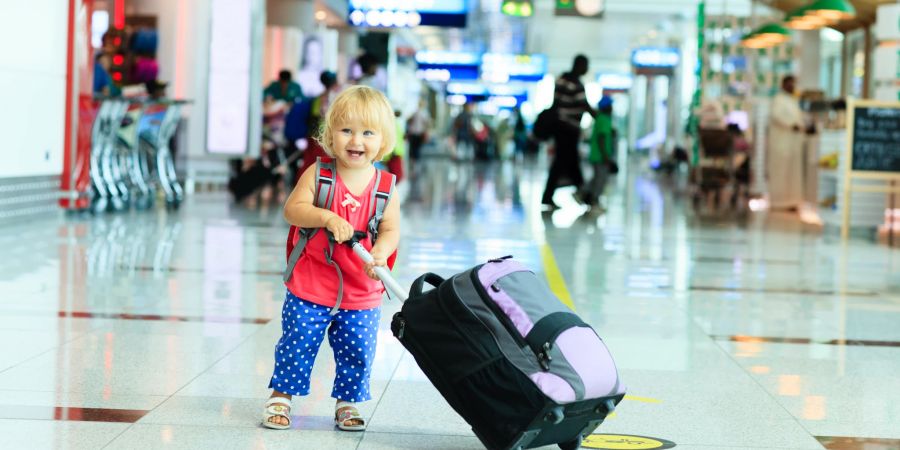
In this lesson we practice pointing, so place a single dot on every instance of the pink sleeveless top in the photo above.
(316, 281)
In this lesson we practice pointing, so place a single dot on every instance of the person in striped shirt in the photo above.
(571, 103)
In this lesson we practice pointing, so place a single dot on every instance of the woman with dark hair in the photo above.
(312, 62)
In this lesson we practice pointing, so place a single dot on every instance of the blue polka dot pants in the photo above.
(352, 335)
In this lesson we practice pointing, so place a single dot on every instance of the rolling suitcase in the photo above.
(519, 366)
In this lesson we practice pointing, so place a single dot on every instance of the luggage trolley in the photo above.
(133, 161)
(158, 125)
(108, 192)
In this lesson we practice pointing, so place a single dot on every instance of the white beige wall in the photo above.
(183, 56)
(32, 86)
(282, 51)
(184, 61)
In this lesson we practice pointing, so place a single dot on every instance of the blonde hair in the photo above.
(367, 105)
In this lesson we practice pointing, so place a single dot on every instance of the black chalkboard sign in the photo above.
(876, 139)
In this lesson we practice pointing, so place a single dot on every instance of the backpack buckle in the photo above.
(544, 357)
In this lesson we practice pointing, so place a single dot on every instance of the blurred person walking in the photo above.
(570, 104)
(103, 82)
(394, 161)
(317, 110)
(284, 89)
(785, 149)
(520, 133)
(368, 64)
(417, 127)
(601, 156)
(463, 133)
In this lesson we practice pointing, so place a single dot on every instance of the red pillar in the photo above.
(79, 111)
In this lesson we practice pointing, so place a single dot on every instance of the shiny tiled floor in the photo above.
(155, 329)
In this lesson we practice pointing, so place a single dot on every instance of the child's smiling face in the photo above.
(356, 144)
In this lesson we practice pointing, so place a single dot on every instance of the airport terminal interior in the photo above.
(724, 213)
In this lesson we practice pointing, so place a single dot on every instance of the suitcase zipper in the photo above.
(492, 305)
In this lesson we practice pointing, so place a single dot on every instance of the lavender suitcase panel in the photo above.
(590, 358)
(488, 275)
(519, 294)
(492, 271)
(584, 351)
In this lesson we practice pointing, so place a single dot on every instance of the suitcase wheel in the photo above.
(571, 445)
(555, 416)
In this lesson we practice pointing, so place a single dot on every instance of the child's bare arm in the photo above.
(300, 210)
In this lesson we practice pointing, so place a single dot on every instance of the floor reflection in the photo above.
(108, 317)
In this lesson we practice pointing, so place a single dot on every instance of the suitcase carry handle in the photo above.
(417, 286)
(383, 273)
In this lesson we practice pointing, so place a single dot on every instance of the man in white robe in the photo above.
(784, 160)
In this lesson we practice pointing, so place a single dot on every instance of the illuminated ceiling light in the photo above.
(766, 36)
(357, 17)
(321, 15)
(401, 19)
(387, 19)
(755, 43)
(373, 18)
(414, 19)
(799, 19)
(832, 9)
(774, 33)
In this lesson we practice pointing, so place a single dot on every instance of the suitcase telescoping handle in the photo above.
(384, 274)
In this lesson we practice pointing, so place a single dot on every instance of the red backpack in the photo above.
(323, 197)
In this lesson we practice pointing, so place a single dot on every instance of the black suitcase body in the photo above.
(464, 358)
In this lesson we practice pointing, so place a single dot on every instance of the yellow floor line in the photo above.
(642, 399)
(554, 277)
(558, 286)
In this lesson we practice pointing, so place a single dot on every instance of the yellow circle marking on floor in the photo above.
(624, 442)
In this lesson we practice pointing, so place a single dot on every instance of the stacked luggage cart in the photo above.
(131, 161)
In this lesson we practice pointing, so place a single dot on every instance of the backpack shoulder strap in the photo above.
(322, 198)
(381, 195)
(325, 179)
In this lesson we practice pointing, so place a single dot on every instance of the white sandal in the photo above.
(277, 407)
(348, 412)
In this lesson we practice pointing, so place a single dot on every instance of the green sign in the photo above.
(517, 8)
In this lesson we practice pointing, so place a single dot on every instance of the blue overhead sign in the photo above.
(503, 67)
(655, 57)
(503, 95)
(408, 13)
(615, 81)
(446, 66)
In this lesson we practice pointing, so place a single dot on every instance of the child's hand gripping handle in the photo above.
(384, 274)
